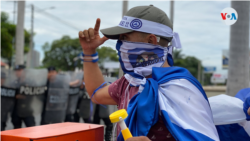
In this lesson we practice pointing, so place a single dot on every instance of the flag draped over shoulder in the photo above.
(179, 98)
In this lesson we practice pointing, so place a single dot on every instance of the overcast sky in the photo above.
(202, 32)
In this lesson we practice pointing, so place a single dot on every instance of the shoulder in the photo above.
(179, 82)
(181, 85)
(120, 82)
(118, 85)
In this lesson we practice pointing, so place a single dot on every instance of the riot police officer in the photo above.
(51, 73)
(17, 120)
(83, 106)
(54, 110)
(3, 77)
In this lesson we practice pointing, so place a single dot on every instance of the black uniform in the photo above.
(17, 120)
(102, 113)
(83, 107)
(44, 105)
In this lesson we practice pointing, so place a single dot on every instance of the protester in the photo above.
(149, 86)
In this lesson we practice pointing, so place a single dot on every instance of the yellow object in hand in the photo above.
(119, 117)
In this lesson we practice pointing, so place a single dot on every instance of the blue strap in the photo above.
(96, 91)
(91, 110)
(95, 60)
(91, 61)
(93, 55)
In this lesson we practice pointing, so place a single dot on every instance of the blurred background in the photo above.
(51, 36)
(203, 34)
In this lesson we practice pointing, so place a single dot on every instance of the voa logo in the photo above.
(229, 16)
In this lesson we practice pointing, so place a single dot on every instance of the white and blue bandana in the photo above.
(138, 59)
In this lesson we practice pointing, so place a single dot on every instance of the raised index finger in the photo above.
(97, 25)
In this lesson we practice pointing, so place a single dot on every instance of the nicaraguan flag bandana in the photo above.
(138, 59)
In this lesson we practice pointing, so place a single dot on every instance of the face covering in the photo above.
(137, 59)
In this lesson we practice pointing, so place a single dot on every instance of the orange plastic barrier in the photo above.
(67, 131)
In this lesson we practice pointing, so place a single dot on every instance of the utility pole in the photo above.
(202, 78)
(238, 72)
(29, 57)
(124, 10)
(172, 11)
(125, 7)
(14, 13)
(20, 32)
(199, 71)
(172, 20)
(11, 63)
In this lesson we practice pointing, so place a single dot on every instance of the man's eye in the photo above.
(123, 37)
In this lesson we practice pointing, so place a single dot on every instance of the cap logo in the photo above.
(136, 24)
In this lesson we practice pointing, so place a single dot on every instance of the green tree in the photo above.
(63, 54)
(189, 62)
(8, 32)
(107, 53)
(4, 17)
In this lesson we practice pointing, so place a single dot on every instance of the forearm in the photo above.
(92, 76)
(90, 40)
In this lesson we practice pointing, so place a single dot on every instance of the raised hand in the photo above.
(90, 39)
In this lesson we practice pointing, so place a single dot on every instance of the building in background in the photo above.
(218, 78)
(110, 68)
(4, 65)
(35, 59)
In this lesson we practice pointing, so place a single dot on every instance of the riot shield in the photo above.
(30, 95)
(57, 99)
(8, 92)
(75, 83)
(85, 106)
